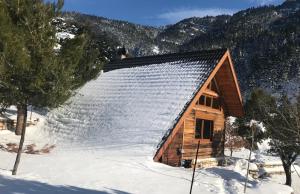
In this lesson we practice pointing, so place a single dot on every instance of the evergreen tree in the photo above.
(243, 124)
(281, 118)
(31, 72)
(82, 52)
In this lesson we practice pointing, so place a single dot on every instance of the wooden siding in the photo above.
(172, 155)
(162, 149)
(227, 84)
(231, 100)
(208, 148)
(184, 144)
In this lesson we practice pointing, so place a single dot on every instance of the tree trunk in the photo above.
(21, 120)
(231, 152)
(288, 174)
(23, 109)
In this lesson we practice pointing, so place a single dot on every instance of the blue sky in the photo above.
(161, 12)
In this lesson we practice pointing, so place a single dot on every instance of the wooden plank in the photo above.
(211, 93)
(202, 108)
(171, 156)
(227, 81)
(233, 72)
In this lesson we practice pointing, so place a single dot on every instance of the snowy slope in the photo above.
(128, 106)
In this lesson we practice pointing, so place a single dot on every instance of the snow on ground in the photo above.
(261, 157)
(118, 170)
(295, 179)
(33, 131)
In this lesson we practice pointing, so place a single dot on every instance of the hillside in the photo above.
(265, 45)
(264, 41)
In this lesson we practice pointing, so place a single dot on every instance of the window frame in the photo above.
(212, 101)
(196, 136)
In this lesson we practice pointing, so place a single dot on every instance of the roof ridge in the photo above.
(207, 55)
(197, 53)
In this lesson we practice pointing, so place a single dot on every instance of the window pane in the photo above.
(208, 126)
(199, 123)
(216, 103)
(212, 131)
(201, 100)
(208, 101)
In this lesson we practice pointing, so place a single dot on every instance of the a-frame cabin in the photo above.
(202, 118)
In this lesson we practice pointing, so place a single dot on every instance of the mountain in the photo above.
(264, 42)
(140, 40)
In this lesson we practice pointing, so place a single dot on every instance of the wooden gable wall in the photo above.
(184, 144)
(181, 143)
(231, 94)
(208, 147)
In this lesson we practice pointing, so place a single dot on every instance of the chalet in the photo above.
(184, 96)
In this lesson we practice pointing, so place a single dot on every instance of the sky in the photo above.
(161, 12)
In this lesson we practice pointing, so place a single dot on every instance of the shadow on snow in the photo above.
(13, 186)
(230, 175)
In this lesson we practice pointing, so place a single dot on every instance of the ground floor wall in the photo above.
(208, 148)
(172, 155)
(184, 145)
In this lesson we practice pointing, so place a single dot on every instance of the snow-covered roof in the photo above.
(211, 56)
(132, 105)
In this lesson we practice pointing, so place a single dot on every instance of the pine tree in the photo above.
(31, 72)
(243, 124)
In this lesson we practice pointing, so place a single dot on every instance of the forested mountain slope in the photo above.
(264, 41)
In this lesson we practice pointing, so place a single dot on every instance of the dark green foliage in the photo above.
(28, 65)
(252, 112)
(282, 122)
(90, 63)
(281, 117)
(87, 57)
(91, 51)
(31, 71)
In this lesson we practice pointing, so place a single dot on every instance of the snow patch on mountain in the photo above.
(156, 50)
(64, 35)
